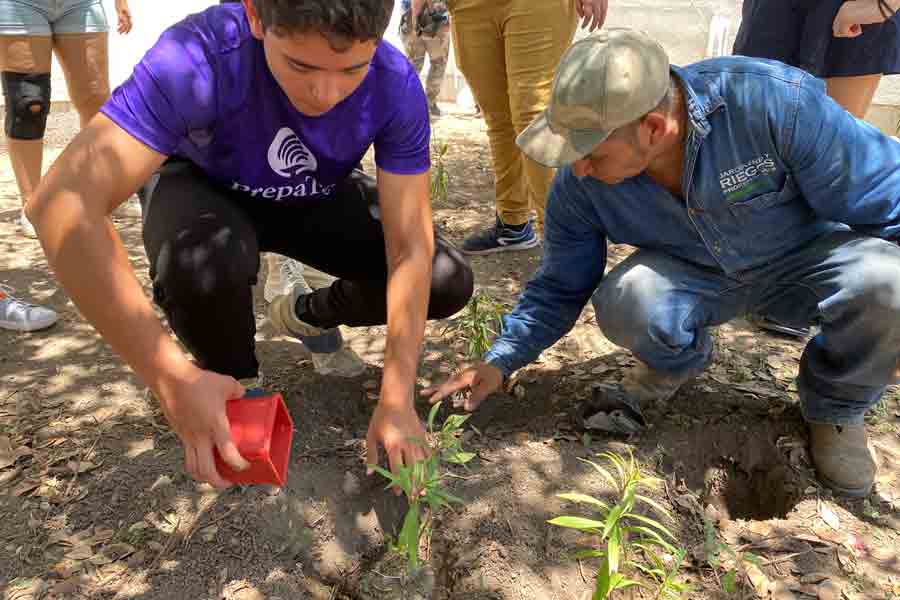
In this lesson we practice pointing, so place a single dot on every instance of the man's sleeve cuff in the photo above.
(504, 365)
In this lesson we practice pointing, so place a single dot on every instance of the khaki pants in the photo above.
(508, 51)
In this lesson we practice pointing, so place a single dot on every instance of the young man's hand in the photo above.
(195, 408)
(482, 379)
(398, 429)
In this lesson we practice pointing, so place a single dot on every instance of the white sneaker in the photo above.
(25, 226)
(329, 355)
(130, 208)
(284, 275)
(17, 315)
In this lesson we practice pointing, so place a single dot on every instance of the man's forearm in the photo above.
(91, 263)
(409, 286)
(69, 212)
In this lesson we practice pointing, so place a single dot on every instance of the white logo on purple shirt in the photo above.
(288, 155)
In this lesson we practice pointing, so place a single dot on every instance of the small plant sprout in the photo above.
(731, 563)
(439, 175)
(625, 536)
(423, 483)
(480, 324)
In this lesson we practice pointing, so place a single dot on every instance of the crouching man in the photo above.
(746, 190)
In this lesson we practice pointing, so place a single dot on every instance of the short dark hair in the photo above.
(340, 21)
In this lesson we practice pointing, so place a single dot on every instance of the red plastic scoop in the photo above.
(262, 429)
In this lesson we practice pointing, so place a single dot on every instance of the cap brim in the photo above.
(550, 149)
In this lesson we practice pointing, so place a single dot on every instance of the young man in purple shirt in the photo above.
(246, 122)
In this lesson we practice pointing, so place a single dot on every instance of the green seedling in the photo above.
(480, 324)
(423, 483)
(729, 562)
(440, 177)
(624, 535)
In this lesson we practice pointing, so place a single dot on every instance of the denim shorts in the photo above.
(799, 33)
(49, 17)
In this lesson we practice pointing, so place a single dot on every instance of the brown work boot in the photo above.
(618, 407)
(842, 457)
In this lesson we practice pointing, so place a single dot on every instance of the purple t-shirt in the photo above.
(205, 93)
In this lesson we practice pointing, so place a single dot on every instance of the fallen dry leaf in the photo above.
(80, 552)
(53, 442)
(845, 559)
(118, 551)
(25, 589)
(69, 585)
(8, 454)
(81, 466)
(831, 519)
(137, 559)
(25, 487)
(102, 534)
(780, 591)
(8, 477)
(759, 580)
(66, 568)
(814, 577)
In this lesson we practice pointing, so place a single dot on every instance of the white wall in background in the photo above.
(681, 25)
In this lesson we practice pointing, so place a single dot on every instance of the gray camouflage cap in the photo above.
(602, 82)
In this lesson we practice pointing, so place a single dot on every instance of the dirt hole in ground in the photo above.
(735, 465)
(760, 492)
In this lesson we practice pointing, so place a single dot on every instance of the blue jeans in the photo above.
(661, 308)
(49, 17)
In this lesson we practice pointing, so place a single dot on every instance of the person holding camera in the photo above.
(428, 34)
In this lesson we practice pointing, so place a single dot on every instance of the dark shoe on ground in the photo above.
(434, 110)
(618, 407)
(842, 458)
(502, 238)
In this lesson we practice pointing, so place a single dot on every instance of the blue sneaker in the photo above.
(502, 238)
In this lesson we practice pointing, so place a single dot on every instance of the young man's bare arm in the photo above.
(409, 244)
(102, 167)
(96, 173)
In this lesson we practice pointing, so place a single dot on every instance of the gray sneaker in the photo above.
(329, 356)
(842, 458)
(18, 315)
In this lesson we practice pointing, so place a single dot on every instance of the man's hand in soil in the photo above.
(481, 379)
(195, 408)
(397, 428)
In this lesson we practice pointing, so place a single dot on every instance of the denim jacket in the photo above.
(771, 162)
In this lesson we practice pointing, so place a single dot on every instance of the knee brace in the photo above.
(27, 104)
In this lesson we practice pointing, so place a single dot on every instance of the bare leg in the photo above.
(84, 58)
(854, 93)
(26, 54)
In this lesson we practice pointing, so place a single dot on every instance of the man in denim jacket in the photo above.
(746, 190)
